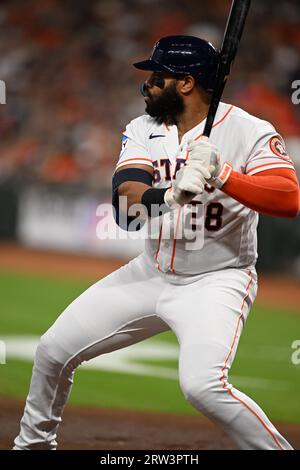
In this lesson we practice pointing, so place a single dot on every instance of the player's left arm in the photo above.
(272, 192)
(271, 188)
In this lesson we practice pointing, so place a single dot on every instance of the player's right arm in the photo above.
(134, 190)
(133, 176)
(134, 197)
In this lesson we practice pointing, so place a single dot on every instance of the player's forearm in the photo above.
(133, 191)
(152, 199)
(266, 193)
(134, 197)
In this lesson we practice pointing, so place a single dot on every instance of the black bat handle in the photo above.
(233, 34)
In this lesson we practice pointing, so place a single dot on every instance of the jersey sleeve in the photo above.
(267, 150)
(133, 145)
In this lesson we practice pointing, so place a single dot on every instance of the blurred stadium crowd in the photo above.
(71, 88)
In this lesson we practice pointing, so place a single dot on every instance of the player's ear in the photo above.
(185, 84)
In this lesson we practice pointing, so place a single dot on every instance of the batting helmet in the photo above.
(184, 55)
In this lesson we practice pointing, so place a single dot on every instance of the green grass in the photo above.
(104, 389)
(29, 305)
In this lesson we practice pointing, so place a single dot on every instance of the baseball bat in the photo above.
(233, 33)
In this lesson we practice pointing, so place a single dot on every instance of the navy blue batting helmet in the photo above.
(184, 55)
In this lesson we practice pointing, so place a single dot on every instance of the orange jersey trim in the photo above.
(219, 122)
(166, 126)
(274, 163)
(130, 159)
(158, 247)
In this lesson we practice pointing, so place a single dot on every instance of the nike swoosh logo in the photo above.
(152, 136)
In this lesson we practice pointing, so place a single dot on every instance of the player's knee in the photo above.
(48, 353)
(202, 391)
(53, 356)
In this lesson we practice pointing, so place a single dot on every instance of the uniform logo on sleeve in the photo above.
(124, 141)
(278, 148)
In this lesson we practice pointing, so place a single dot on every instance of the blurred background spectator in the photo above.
(71, 89)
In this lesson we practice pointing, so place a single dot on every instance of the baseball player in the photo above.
(201, 288)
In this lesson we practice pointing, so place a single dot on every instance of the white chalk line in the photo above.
(126, 360)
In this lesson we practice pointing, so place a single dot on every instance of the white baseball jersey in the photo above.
(229, 228)
(135, 303)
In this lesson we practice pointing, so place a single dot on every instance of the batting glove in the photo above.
(190, 181)
(202, 151)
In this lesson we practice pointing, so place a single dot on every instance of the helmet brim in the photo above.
(150, 65)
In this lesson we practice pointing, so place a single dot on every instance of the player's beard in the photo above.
(167, 106)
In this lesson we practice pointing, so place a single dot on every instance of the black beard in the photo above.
(167, 107)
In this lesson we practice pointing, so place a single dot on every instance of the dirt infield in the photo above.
(97, 429)
(274, 291)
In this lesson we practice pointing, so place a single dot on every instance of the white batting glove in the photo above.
(208, 154)
(202, 151)
(190, 181)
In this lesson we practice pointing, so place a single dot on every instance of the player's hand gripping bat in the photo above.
(233, 33)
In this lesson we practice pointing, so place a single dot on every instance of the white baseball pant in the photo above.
(134, 303)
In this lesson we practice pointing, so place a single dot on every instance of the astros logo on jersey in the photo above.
(277, 146)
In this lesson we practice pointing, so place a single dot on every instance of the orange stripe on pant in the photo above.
(158, 247)
(223, 378)
(175, 241)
